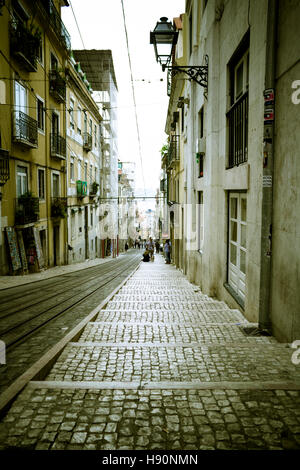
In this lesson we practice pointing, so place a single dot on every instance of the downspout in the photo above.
(264, 321)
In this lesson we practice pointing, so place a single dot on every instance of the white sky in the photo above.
(101, 26)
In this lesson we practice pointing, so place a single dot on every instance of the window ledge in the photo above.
(236, 297)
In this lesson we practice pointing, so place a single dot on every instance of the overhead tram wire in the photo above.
(133, 95)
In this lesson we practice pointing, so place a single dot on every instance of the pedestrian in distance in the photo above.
(126, 246)
(167, 250)
(157, 246)
(150, 248)
(146, 256)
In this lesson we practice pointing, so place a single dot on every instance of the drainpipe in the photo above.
(264, 321)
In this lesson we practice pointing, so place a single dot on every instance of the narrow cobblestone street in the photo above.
(163, 367)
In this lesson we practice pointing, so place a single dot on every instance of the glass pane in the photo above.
(233, 208)
(243, 261)
(243, 236)
(239, 80)
(233, 231)
(244, 209)
(233, 254)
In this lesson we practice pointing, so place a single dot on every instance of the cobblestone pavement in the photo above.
(163, 367)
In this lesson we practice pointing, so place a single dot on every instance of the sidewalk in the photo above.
(162, 367)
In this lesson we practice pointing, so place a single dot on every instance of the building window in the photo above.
(71, 113)
(237, 116)
(55, 185)
(237, 242)
(95, 136)
(91, 174)
(40, 52)
(191, 32)
(200, 221)
(72, 169)
(53, 62)
(22, 180)
(79, 120)
(79, 169)
(85, 171)
(20, 98)
(41, 183)
(40, 114)
(200, 160)
(201, 123)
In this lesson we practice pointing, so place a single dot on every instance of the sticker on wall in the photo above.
(267, 181)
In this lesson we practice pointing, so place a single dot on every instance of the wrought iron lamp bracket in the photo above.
(197, 73)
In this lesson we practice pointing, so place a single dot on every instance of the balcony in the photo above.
(57, 84)
(163, 185)
(58, 146)
(94, 189)
(173, 155)
(4, 166)
(87, 141)
(25, 129)
(59, 207)
(24, 45)
(56, 23)
(27, 209)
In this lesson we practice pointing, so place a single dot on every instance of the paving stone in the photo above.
(168, 340)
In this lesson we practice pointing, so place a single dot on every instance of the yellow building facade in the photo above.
(35, 48)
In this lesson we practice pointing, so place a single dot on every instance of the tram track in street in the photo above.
(26, 343)
(13, 335)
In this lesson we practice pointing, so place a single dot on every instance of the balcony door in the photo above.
(55, 124)
(20, 98)
(22, 180)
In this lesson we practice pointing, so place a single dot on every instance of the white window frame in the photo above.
(23, 190)
(72, 167)
(236, 277)
(245, 61)
(59, 182)
(20, 93)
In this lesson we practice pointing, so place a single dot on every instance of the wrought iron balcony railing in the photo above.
(4, 166)
(237, 118)
(24, 45)
(25, 129)
(163, 185)
(87, 141)
(57, 85)
(58, 146)
(56, 23)
(27, 210)
(173, 152)
(59, 207)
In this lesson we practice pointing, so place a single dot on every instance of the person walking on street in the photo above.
(167, 250)
(150, 248)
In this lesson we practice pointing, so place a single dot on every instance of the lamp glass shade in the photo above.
(164, 38)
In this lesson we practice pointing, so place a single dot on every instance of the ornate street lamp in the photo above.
(164, 39)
